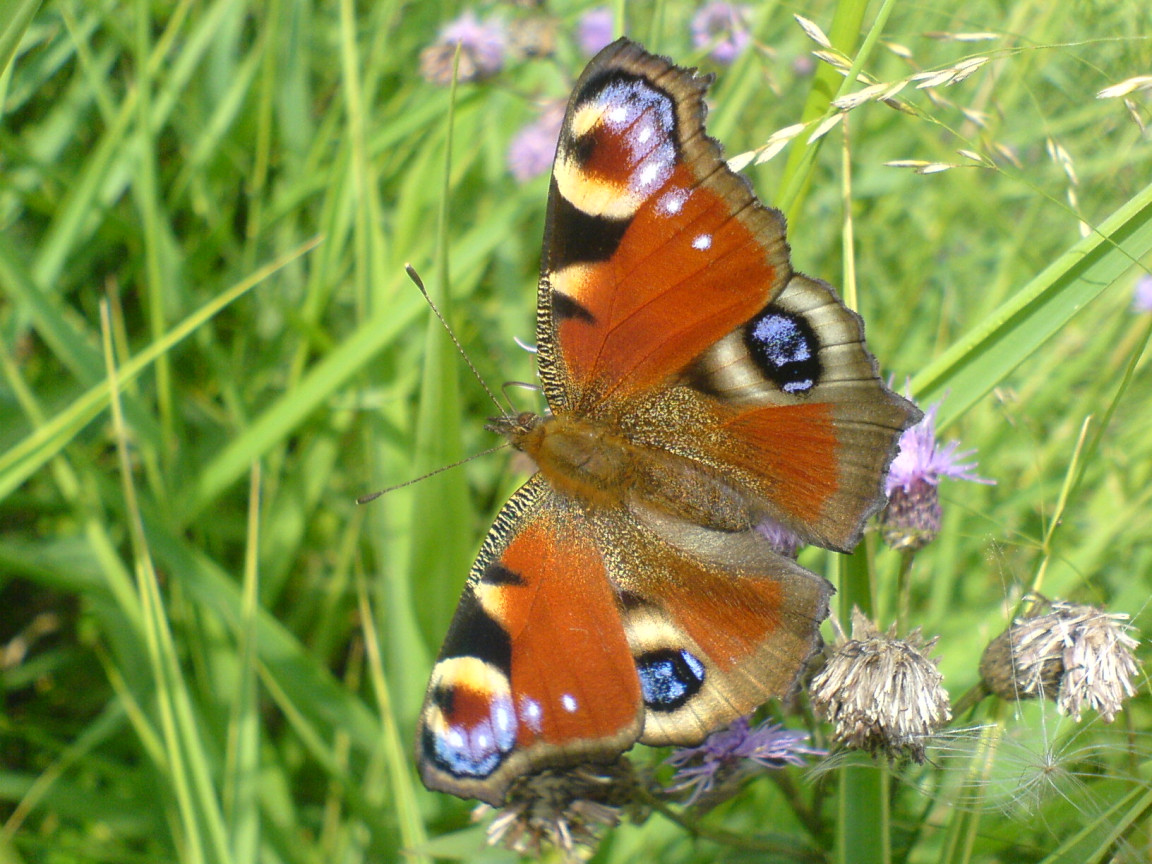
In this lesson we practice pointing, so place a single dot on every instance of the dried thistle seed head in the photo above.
(563, 809)
(533, 36)
(1072, 654)
(882, 694)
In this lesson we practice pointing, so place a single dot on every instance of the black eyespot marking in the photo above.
(785, 348)
(444, 698)
(474, 633)
(474, 745)
(669, 678)
(576, 237)
(634, 92)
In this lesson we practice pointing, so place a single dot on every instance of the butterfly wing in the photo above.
(668, 308)
(653, 249)
(536, 669)
(718, 622)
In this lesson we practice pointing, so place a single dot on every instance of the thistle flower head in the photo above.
(1142, 294)
(722, 27)
(912, 518)
(594, 30)
(882, 693)
(482, 47)
(563, 809)
(1073, 654)
(781, 538)
(727, 756)
(533, 148)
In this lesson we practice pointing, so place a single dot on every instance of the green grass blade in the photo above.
(1097, 839)
(984, 357)
(15, 16)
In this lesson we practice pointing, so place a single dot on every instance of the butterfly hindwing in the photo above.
(800, 414)
(718, 622)
(536, 669)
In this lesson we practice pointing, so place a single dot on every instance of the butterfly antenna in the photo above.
(415, 277)
(372, 496)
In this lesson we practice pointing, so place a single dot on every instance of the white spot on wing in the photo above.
(672, 201)
(702, 242)
(530, 712)
(569, 702)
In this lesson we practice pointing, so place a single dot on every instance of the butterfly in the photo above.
(697, 388)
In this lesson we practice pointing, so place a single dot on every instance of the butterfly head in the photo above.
(521, 429)
(514, 427)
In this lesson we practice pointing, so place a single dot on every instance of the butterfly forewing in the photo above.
(654, 250)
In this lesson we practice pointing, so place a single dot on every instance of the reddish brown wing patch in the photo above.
(535, 670)
(672, 288)
(727, 615)
(571, 667)
(718, 622)
(654, 249)
(792, 448)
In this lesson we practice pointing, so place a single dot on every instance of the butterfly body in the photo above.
(697, 389)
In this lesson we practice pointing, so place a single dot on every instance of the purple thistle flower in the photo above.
(723, 28)
(1142, 294)
(533, 148)
(913, 516)
(720, 758)
(783, 540)
(921, 461)
(482, 47)
(594, 30)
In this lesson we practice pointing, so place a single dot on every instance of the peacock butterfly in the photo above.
(697, 388)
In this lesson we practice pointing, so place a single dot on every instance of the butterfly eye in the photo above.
(786, 349)
(669, 677)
